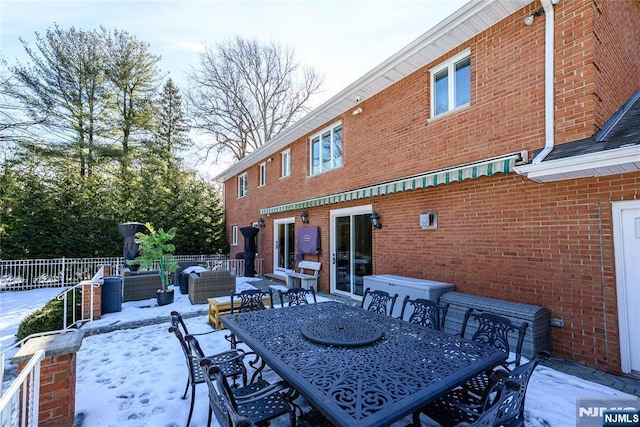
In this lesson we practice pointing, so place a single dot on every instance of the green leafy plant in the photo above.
(156, 248)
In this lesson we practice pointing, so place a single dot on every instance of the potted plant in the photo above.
(156, 248)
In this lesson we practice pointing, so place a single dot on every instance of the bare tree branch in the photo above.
(245, 93)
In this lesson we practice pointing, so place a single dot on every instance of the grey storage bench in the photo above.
(538, 336)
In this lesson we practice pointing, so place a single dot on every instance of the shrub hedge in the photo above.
(50, 317)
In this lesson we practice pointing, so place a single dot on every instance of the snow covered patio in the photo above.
(132, 375)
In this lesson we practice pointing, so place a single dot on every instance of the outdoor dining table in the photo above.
(356, 367)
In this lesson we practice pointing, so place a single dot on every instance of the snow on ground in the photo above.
(136, 377)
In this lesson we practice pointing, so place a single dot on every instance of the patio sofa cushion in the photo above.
(210, 284)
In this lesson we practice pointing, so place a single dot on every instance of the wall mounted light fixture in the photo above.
(529, 19)
(375, 221)
(357, 111)
(304, 217)
(261, 223)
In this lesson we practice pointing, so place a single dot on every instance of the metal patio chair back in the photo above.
(379, 301)
(297, 296)
(500, 404)
(512, 409)
(424, 312)
(251, 300)
(251, 405)
(490, 409)
(495, 330)
(232, 360)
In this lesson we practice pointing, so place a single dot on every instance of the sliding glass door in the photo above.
(284, 245)
(351, 250)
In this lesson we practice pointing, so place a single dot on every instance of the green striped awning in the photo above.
(487, 167)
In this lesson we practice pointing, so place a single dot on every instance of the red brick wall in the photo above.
(501, 236)
(616, 24)
(507, 237)
(57, 390)
(394, 136)
(87, 290)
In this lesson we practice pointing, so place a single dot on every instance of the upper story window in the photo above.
(451, 84)
(242, 185)
(326, 149)
(263, 174)
(234, 235)
(286, 163)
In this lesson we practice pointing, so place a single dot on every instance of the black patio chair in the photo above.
(253, 405)
(379, 301)
(297, 296)
(424, 312)
(250, 300)
(461, 406)
(230, 362)
(178, 322)
(494, 330)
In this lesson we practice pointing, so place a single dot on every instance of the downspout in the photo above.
(547, 5)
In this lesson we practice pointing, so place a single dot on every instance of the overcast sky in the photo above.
(342, 39)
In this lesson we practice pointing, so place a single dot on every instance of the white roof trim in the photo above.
(609, 162)
(468, 21)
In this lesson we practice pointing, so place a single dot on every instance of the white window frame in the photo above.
(263, 174)
(332, 164)
(234, 235)
(243, 185)
(286, 163)
(449, 65)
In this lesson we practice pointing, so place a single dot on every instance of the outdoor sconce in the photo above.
(529, 19)
(261, 223)
(304, 217)
(375, 221)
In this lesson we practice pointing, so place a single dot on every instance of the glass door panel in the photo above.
(284, 245)
(352, 257)
(343, 253)
(362, 260)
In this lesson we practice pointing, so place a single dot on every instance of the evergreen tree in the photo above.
(63, 89)
(172, 126)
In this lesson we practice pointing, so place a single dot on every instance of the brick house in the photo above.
(499, 153)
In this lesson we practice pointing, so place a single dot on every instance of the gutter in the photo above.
(548, 81)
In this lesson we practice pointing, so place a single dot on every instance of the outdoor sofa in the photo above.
(140, 285)
(210, 284)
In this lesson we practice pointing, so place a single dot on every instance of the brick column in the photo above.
(87, 290)
(57, 376)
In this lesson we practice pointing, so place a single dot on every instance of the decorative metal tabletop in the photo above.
(342, 331)
(370, 385)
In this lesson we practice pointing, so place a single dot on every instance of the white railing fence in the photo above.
(237, 265)
(78, 304)
(61, 272)
(19, 405)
